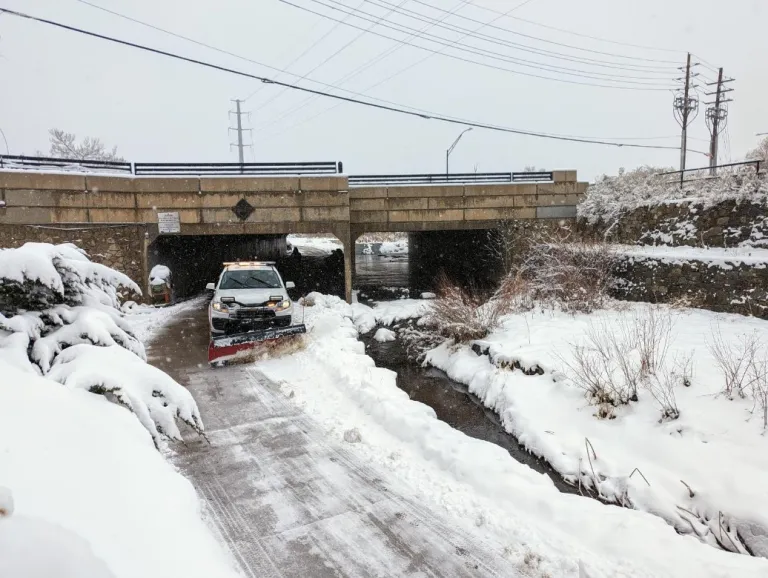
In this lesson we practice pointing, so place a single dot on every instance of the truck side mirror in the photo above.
(210, 287)
(290, 285)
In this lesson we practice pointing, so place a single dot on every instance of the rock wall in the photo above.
(687, 222)
(118, 246)
(727, 287)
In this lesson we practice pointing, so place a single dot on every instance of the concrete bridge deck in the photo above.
(125, 211)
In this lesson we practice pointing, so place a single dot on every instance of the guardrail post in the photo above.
(340, 167)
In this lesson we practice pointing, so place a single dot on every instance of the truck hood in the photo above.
(251, 296)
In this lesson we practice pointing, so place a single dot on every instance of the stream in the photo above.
(454, 404)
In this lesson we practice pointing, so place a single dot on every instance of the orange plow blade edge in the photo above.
(227, 347)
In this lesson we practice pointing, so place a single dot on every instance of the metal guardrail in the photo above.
(265, 169)
(191, 169)
(25, 162)
(744, 163)
(230, 169)
(712, 170)
(443, 178)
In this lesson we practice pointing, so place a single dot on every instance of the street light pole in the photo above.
(453, 146)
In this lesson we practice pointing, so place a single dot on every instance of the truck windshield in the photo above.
(250, 279)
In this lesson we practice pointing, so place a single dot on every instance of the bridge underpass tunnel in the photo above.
(467, 257)
(195, 260)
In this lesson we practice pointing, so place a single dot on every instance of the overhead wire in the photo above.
(626, 85)
(223, 51)
(433, 116)
(302, 55)
(352, 74)
(400, 71)
(666, 69)
(565, 31)
(440, 40)
(329, 58)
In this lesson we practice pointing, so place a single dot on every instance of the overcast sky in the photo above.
(155, 109)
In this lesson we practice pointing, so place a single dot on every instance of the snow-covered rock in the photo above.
(384, 335)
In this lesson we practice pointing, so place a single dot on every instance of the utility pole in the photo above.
(716, 117)
(684, 105)
(240, 146)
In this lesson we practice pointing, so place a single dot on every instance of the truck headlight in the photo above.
(220, 307)
(283, 305)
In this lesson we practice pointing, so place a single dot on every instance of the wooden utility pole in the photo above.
(716, 117)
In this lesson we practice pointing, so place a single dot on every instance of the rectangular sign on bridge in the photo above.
(168, 222)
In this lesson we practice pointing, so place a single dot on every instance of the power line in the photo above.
(640, 86)
(563, 30)
(299, 57)
(212, 66)
(223, 51)
(332, 56)
(539, 39)
(383, 80)
(524, 47)
(464, 48)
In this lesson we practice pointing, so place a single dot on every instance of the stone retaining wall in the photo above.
(688, 222)
(731, 288)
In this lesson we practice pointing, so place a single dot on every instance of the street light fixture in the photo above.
(453, 146)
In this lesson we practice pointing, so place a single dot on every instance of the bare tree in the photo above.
(64, 145)
(760, 153)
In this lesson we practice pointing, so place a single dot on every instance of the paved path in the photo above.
(290, 502)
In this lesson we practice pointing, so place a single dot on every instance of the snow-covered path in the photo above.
(290, 502)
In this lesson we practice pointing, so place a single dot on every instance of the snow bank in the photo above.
(716, 446)
(714, 256)
(389, 248)
(609, 197)
(89, 486)
(322, 245)
(478, 482)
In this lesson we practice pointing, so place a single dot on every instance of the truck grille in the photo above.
(258, 313)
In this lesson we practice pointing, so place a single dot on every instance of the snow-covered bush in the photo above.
(60, 317)
(462, 316)
(610, 196)
(39, 275)
(573, 276)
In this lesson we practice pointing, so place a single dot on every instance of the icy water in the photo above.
(454, 404)
(376, 271)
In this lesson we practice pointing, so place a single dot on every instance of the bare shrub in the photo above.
(461, 315)
(606, 367)
(734, 358)
(651, 330)
(758, 376)
(618, 359)
(661, 386)
(575, 276)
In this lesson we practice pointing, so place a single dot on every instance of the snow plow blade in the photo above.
(226, 347)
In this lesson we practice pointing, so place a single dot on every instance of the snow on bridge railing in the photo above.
(81, 165)
(170, 169)
(451, 178)
(231, 169)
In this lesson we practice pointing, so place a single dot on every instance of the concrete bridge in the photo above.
(118, 218)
